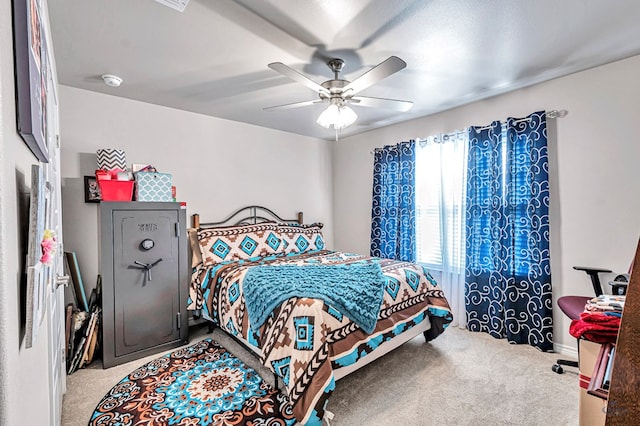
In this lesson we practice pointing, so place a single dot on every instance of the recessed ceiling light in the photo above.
(111, 80)
(178, 5)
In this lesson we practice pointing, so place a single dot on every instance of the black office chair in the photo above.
(573, 306)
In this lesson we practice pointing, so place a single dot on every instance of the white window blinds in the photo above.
(441, 163)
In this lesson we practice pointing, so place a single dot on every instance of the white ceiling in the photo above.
(212, 58)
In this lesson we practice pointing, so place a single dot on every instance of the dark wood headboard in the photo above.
(245, 216)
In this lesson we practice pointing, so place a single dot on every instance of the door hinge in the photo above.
(177, 225)
(178, 320)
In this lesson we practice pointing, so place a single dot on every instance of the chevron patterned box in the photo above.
(152, 186)
(109, 159)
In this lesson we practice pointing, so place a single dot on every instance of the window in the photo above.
(441, 163)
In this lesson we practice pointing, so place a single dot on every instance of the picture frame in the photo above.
(37, 273)
(33, 74)
(91, 190)
(76, 278)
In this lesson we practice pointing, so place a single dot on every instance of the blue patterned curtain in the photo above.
(393, 219)
(508, 276)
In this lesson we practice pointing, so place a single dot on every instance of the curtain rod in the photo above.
(554, 113)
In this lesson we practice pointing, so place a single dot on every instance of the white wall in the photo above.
(217, 165)
(24, 385)
(594, 176)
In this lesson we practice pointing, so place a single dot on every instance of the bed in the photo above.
(308, 342)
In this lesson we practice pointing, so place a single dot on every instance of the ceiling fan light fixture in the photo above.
(339, 92)
(338, 116)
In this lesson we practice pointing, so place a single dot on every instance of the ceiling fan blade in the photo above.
(394, 104)
(296, 76)
(383, 70)
(293, 105)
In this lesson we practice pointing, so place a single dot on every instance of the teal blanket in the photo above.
(356, 290)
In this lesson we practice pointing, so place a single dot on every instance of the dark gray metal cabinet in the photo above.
(143, 263)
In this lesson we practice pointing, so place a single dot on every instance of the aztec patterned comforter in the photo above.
(304, 339)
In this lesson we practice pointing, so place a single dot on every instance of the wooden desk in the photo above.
(624, 395)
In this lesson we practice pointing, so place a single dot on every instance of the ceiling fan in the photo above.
(339, 93)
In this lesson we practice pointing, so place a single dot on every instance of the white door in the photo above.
(56, 317)
(56, 281)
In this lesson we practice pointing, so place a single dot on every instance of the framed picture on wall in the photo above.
(91, 190)
(33, 71)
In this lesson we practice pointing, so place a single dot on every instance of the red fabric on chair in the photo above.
(599, 328)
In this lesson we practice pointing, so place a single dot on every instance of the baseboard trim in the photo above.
(566, 350)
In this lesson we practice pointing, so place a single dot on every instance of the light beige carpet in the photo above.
(461, 378)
